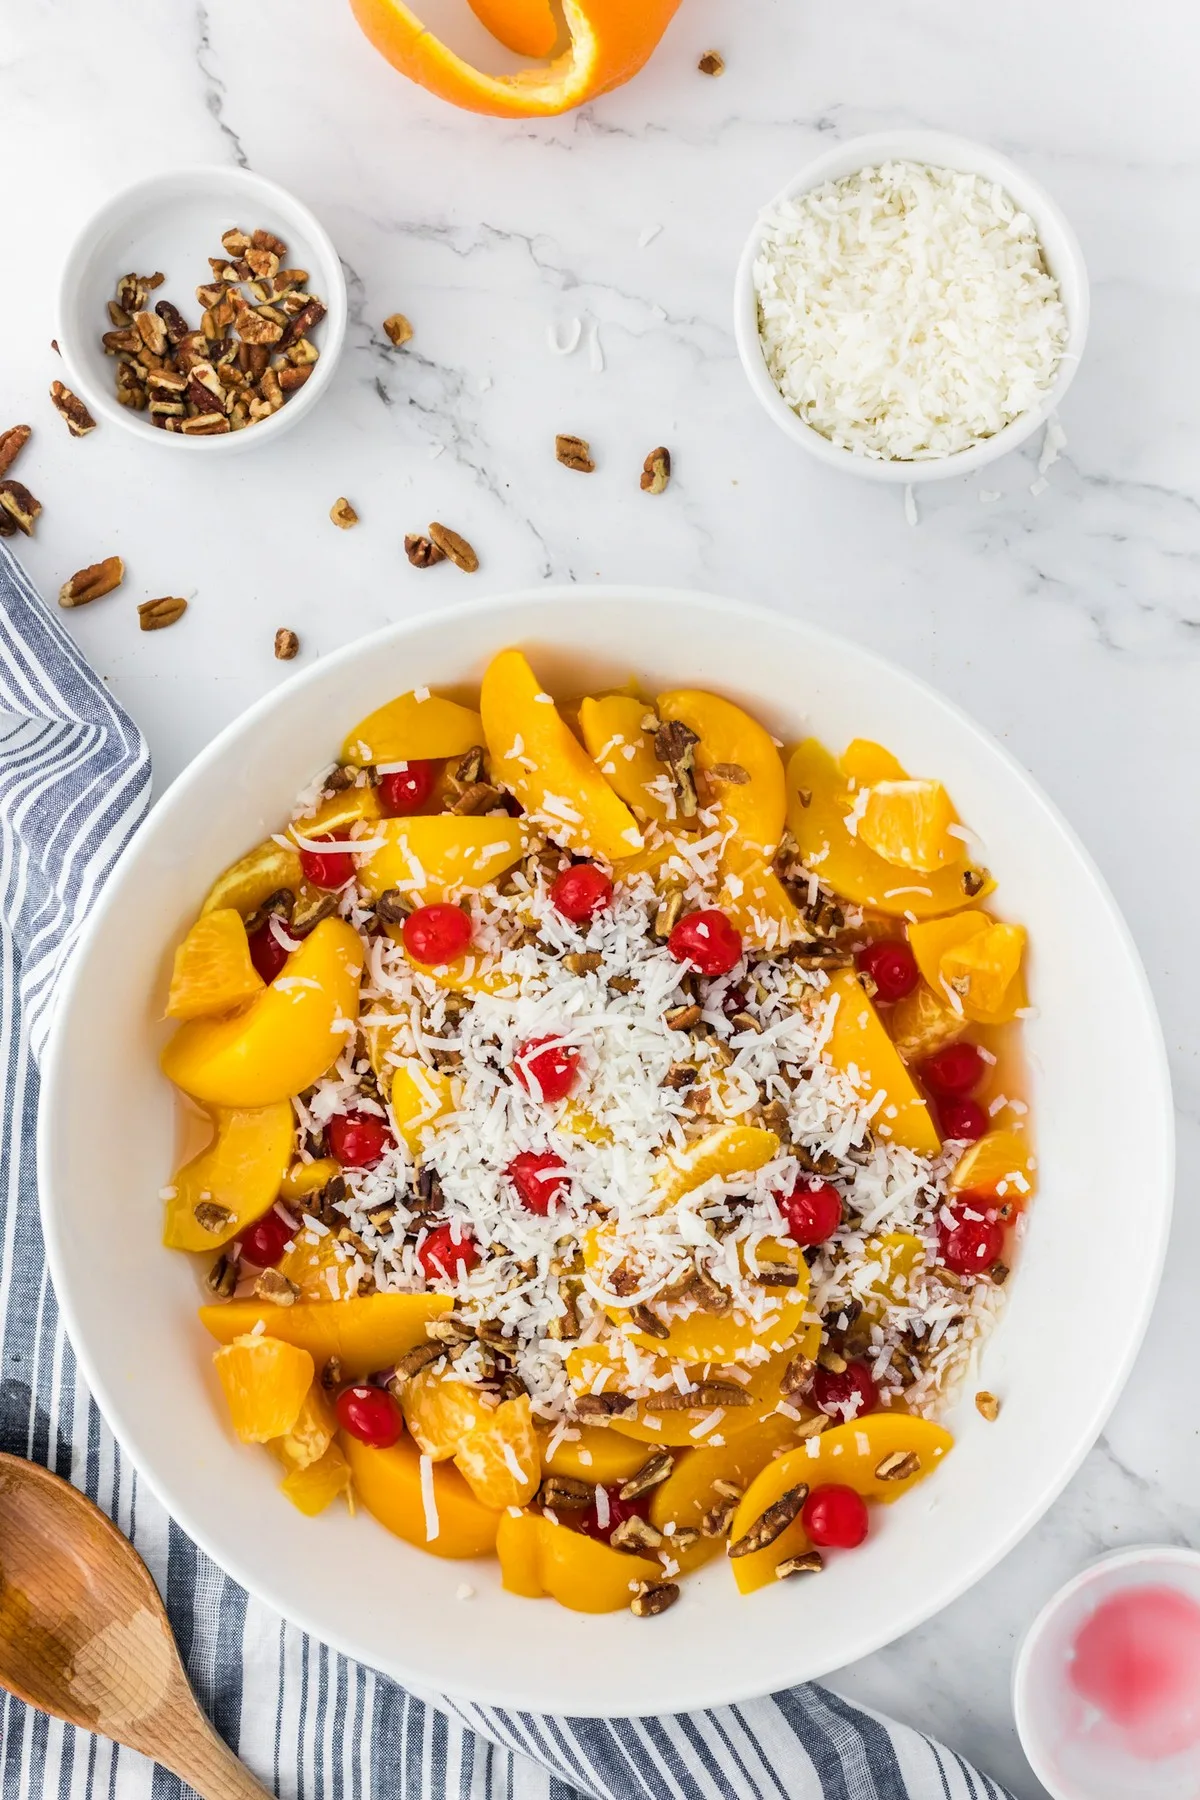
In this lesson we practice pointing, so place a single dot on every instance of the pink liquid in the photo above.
(1137, 1661)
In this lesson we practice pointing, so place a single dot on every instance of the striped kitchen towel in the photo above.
(74, 783)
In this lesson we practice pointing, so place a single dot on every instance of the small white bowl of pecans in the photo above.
(203, 309)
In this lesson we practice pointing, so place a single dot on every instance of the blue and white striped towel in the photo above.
(74, 783)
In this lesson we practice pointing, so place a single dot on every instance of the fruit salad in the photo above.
(614, 1149)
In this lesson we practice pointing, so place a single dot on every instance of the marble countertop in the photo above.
(1068, 622)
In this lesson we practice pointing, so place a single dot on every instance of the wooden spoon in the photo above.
(84, 1634)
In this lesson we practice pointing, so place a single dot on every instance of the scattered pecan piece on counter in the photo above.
(455, 547)
(92, 583)
(398, 328)
(79, 419)
(422, 552)
(987, 1406)
(574, 453)
(18, 509)
(156, 615)
(287, 644)
(12, 442)
(711, 63)
(343, 514)
(656, 471)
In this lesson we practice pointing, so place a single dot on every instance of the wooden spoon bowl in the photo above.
(84, 1634)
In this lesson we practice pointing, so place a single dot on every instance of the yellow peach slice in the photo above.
(314, 1487)
(601, 1368)
(757, 902)
(239, 1175)
(847, 1456)
(974, 963)
(1000, 1164)
(752, 809)
(889, 1263)
(440, 856)
(366, 1333)
(263, 871)
(306, 1178)
(538, 1557)
(595, 1454)
(415, 727)
(860, 1047)
(286, 1038)
(420, 1097)
(335, 816)
(689, 1492)
(820, 800)
(537, 758)
(213, 974)
(388, 1482)
(624, 753)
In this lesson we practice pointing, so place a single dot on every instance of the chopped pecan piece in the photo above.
(343, 514)
(809, 1562)
(398, 329)
(772, 1523)
(987, 1406)
(603, 1406)
(899, 1466)
(422, 552)
(705, 1396)
(19, 510)
(301, 323)
(290, 379)
(222, 1278)
(12, 442)
(656, 471)
(286, 644)
(675, 745)
(574, 453)
(655, 1469)
(455, 547)
(649, 1322)
(79, 419)
(654, 1597)
(635, 1533)
(156, 615)
(93, 582)
(562, 1493)
(682, 1018)
(266, 240)
(205, 425)
(152, 329)
(274, 1286)
(711, 63)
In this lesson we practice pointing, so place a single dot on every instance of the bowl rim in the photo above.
(215, 177)
(938, 148)
(502, 1690)
(1128, 1556)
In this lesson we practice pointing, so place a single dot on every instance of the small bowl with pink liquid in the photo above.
(1106, 1686)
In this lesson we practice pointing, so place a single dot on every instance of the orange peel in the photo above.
(608, 41)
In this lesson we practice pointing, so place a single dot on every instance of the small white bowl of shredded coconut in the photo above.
(911, 306)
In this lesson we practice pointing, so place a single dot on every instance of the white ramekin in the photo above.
(174, 222)
(1060, 247)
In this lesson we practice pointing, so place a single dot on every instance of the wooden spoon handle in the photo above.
(198, 1756)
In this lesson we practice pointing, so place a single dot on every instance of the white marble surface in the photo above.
(1069, 623)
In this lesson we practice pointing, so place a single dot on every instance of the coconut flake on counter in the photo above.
(906, 312)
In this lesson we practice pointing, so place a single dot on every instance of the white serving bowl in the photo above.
(174, 222)
(1080, 1298)
(939, 149)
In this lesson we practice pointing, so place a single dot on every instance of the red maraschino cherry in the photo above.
(892, 967)
(327, 868)
(436, 934)
(447, 1253)
(358, 1140)
(813, 1211)
(836, 1517)
(581, 891)
(404, 791)
(540, 1180)
(370, 1415)
(708, 940)
(546, 1068)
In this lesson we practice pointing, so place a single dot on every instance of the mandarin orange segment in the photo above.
(624, 753)
(253, 878)
(860, 1047)
(414, 727)
(448, 1522)
(440, 1411)
(739, 761)
(536, 756)
(314, 1266)
(213, 973)
(753, 896)
(908, 823)
(499, 1460)
(265, 1382)
(311, 1435)
(973, 964)
(286, 1038)
(889, 1265)
(922, 1023)
(820, 801)
(609, 40)
(366, 1333)
(846, 1455)
(420, 1097)
(726, 1152)
(1000, 1165)
(233, 1181)
(312, 1488)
